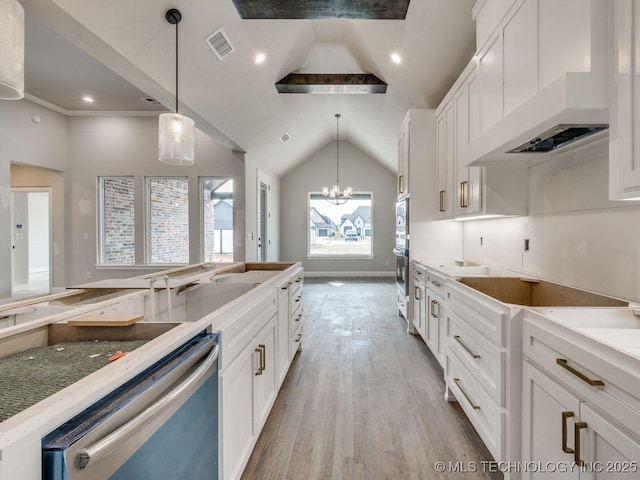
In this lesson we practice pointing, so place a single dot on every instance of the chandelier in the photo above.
(334, 195)
(176, 132)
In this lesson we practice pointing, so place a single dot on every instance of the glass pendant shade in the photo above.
(176, 139)
(11, 50)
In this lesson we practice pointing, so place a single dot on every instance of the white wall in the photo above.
(101, 146)
(360, 172)
(577, 236)
(32, 135)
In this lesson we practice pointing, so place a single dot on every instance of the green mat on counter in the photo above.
(33, 375)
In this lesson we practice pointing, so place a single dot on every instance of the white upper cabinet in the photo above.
(404, 154)
(624, 138)
(541, 64)
(445, 164)
(471, 192)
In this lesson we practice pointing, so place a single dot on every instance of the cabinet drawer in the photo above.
(295, 342)
(486, 315)
(295, 321)
(435, 282)
(600, 375)
(486, 417)
(296, 300)
(484, 360)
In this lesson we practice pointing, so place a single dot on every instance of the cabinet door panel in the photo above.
(605, 447)
(237, 391)
(283, 332)
(266, 382)
(544, 402)
(624, 139)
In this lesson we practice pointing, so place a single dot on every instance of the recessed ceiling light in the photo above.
(87, 99)
(259, 58)
(396, 58)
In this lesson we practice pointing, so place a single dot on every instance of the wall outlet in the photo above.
(85, 236)
(89, 274)
(386, 263)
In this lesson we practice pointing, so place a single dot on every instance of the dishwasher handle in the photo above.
(108, 444)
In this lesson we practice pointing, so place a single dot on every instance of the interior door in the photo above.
(30, 240)
(264, 240)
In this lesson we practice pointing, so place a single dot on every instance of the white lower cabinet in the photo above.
(418, 300)
(570, 439)
(581, 406)
(248, 390)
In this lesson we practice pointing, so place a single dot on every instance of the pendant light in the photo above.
(11, 50)
(334, 195)
(176, 132)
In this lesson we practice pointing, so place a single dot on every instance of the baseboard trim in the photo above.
(307, 273)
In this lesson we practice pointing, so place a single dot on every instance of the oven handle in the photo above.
(108, 444)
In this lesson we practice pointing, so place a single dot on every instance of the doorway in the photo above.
(264, 240)
(30, 241)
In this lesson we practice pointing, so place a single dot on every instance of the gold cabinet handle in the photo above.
(259, 372)
(564, 363)
(457, 380)
(298, 280)
(433, 304)
(416, 293)
(441, 201)
(401, 183)
(565, 417)
(263, 356)
(457, 339)
(436, 284)
(576, 431)
(299, 338)
(464, 200)
(298, 318)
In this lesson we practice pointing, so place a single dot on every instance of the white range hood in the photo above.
(576, 100)
(570, 105)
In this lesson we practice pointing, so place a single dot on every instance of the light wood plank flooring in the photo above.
(364, 399)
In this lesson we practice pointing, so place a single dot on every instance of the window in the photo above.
(167, 220)
(117, 220)
(340, 230)
(217, 218)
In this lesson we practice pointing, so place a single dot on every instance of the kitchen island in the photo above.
(237, 300)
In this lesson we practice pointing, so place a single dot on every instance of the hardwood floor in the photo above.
(364, 399)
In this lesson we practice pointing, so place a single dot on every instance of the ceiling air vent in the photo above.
(219, 43)
(149, 101)
(284, 137)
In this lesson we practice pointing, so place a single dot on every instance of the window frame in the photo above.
(355, 196)
(201, 182)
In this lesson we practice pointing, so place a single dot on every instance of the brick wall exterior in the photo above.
(118, 220)
(169, 220)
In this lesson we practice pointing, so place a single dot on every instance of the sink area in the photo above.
(538, 293)
(205, 298)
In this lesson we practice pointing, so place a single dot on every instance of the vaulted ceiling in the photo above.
(235, 100)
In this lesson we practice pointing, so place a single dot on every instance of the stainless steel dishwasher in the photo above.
(161, 424)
